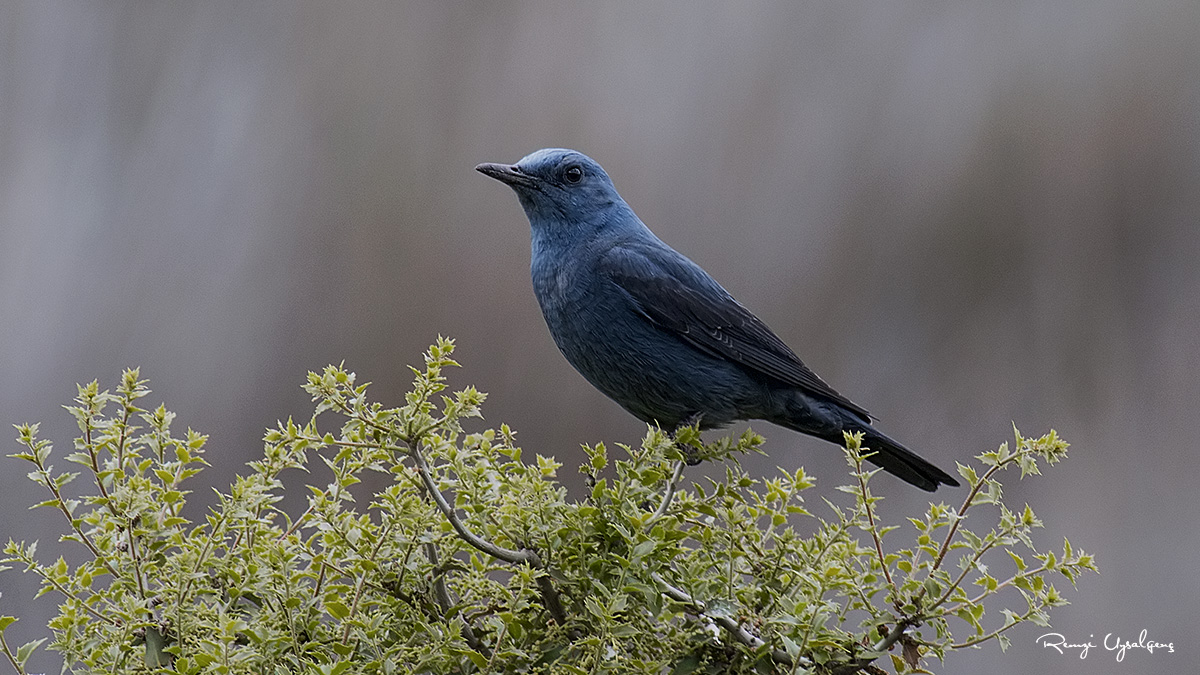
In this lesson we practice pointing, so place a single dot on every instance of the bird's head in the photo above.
(558, 186)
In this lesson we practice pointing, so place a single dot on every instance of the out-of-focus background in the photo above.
(963, 215)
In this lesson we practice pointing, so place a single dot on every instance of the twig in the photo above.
(87, 606)
(90, 445)
(962, 511)
(669, 494)
(296, 523)
(137, 564)
(862, 485)
(885, 643)
(12, 658)
(747, 638)
(362, 582)
(984, 638)
(983, 594)
(506, 554)
(527, 556)
(442, 596)
(48, 481)
(963, 575)
(736, 629)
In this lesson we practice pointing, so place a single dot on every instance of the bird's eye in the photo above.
(573, 174)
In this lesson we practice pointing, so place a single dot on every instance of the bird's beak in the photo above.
(509, 174)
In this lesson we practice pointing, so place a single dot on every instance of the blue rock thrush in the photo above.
(654, 332)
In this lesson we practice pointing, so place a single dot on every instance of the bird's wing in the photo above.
(675, 294)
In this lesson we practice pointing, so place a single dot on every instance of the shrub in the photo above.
(475, 560)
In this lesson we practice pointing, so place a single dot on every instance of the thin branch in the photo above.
(503, 633)
(736, 629)
(1004, 584)
(527, 556)
(883, 645)
(127, 408)
(963, 575)
(325, 564)
(962, 512)
(296, 523)
(95, 466)
(137, 564)
(87, 607)
(506, 554)
(48, 482)
(830, 541)
(550, 596)
(669, 494)
(348, 411)
(747, 638)
(892, 637)
(216, 534)
(866, 497)
(984, 638)
(12, 658)
(442, 596)
(362, 582)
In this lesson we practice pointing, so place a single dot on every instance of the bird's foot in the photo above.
(690, 454)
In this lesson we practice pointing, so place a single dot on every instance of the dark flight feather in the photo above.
(716, 324)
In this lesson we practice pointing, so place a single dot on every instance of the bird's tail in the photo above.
(828, 421)
(900, 461)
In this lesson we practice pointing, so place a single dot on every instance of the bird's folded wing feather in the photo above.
(678, 296)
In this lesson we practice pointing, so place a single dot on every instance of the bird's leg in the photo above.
(689, 455)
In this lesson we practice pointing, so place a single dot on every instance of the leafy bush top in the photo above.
(474, 560)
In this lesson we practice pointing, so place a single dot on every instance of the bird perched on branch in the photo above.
(654, 332)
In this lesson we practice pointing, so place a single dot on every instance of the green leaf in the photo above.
(1017, 560)
(155, 655)
(475, 657)
(337, 609)
(26, 650)
(643, 549)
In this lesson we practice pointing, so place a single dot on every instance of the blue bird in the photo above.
(654, 332)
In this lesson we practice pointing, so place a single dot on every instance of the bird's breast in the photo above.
(556, 287)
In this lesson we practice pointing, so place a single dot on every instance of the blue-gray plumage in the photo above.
(654, 332)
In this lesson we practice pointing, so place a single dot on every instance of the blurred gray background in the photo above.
(963, 215)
